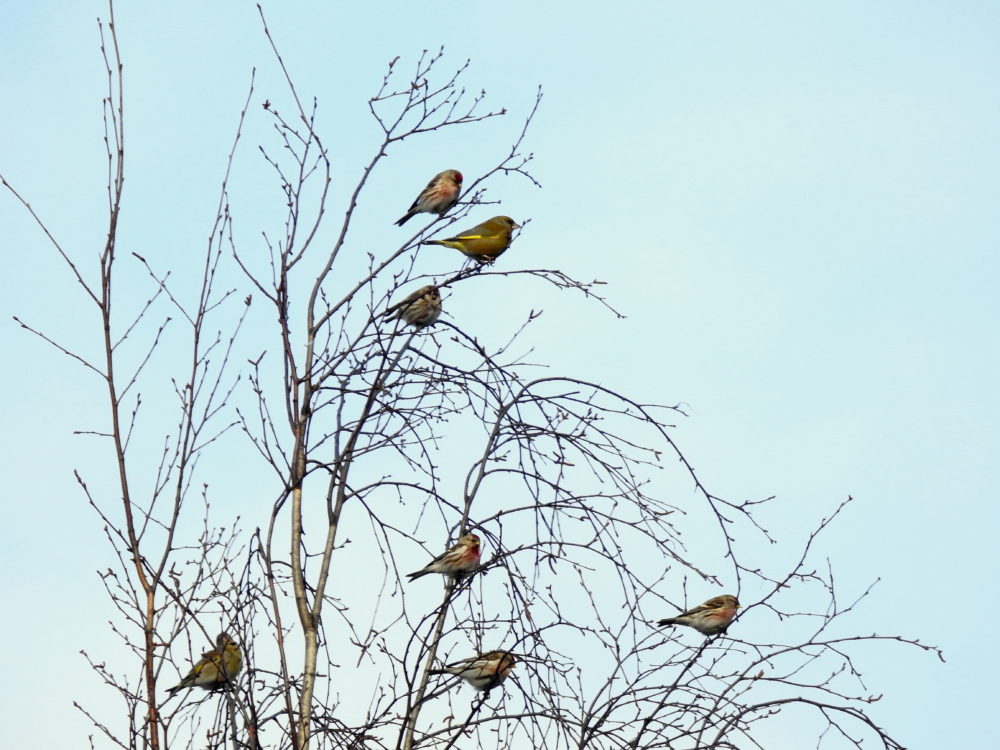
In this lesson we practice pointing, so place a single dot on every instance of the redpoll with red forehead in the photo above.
(440, 195)
(710, 618)
(483, 672)
(461, 559)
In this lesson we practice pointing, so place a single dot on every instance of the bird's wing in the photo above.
(408, 300)
(207, 669)
(447, 553)
(464, 663)
(399, 305)
(715, 601)
(694, 610)
(423, 193)
(473, 235)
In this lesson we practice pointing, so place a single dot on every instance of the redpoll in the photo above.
(483, 672)
(440, 194)
(710, 618)
(456, 562)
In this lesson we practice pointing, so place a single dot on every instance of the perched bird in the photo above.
(483, 672)
(710, 618)
(440, 194)
(484, 242)
(455, 563)
(420, 308)
(216, 668)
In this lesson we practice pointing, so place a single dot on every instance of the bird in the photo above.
(462, 558)
(440, 195)
(420, 308)
(710, 618)
(216, 668)
(483, 672)
(484, 242)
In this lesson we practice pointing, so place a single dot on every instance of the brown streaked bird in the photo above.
(420, 308)
(440, 195)
(461, 559)
(484, 242)
(483, 672)
(710, 618)
(216, 668)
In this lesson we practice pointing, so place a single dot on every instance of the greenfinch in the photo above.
(440, 195)
(216, 668)
(456, 562)
(483, 672)
(710, 618)
(485, 242)
(420, 308)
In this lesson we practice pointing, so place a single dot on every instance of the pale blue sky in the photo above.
(794, 205)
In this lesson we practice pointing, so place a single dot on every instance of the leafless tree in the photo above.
(384, 446)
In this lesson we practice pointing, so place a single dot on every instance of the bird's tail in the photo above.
(668, 621)
(406, 218)
(418, 574)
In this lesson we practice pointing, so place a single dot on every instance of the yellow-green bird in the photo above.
(485, 242)
(216, 668)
